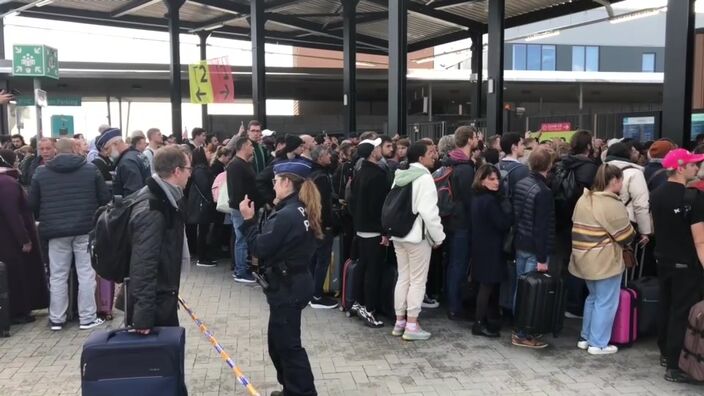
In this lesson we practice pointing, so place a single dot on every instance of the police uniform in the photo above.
(284, 245)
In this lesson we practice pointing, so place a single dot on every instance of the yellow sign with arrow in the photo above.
(199, 83)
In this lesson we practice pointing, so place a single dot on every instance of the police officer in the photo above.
(285, 243)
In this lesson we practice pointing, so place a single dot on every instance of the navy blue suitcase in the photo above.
(122, 363)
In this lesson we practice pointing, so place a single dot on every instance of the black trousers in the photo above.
(488, 303)
(680, 289)
(203, 247)
(372, 260)
(286, 352)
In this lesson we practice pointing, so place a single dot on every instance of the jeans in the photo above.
(457, 268)
(600, 310)
(240, 256)
(321, 262)
(525, 262)
(61, 251)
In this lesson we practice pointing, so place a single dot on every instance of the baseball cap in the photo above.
(679, 157)
(268, 132)
(365, 147)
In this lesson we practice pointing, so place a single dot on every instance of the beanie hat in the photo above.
(109, 136)
(660, 148)
(292, 143)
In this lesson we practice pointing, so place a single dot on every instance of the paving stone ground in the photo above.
(347, 357)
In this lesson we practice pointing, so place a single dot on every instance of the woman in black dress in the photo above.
(491, 220)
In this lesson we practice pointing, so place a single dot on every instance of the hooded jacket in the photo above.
(65, 194)
(601, 229)
(634, 194)
(425, 203)
(461, 180)
(131, 172)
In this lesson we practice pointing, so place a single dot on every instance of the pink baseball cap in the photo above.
(679, 157)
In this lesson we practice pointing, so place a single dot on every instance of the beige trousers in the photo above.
(413, 263)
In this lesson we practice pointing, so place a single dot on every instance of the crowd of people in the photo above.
(479, 214)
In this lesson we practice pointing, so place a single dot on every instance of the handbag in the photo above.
(629, 258)
(223, 205)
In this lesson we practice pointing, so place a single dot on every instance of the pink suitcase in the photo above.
(104, 297)
(625, 329)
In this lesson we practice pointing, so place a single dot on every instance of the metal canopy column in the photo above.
(398, 26)
(349, 72)
(256, 23)
(203, 36)
(175, 67)
(495, 83)
(477, 64)
(4, 84)
(679, 62)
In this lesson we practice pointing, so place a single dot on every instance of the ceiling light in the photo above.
(542, 35)
(43, 3)
(634, 15)
(213, 27)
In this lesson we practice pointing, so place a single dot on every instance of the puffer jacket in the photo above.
(157, 230)
(534, 216)
(634, 194)
(601, 229)
(65, 194)
(424, 202)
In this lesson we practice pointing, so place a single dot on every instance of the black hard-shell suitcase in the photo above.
(4, 302)
(540, 303)
(648, 291)
(350, 273)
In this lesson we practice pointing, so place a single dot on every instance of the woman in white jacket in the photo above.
(413, 251)
(634, 193)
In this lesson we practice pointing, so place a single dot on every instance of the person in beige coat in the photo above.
(601, 229)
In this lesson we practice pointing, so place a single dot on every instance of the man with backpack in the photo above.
(413, 248)
(571, 175)
(64, 195)
(369, 189)
(458, 222)
(678, 216)
(158, 245)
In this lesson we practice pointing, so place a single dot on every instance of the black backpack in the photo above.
(110, 242)
(397, 215)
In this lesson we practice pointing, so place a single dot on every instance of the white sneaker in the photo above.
(429, 303)
(582, 344)
(97, 322)
(607, 350)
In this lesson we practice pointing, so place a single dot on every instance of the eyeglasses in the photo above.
(188, 168)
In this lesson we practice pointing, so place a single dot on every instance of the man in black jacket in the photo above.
(131, 167)
(321, 260)
(459, 224)
(64, 195)
(46, 152)
(241, 181)
(369, 189)
(158, 247)
(534, 216)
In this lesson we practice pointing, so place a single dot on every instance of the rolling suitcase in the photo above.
(692, 356)
(647, 290)
(104, 297)
(349, 278)
(120, 362)
(625, 328)
(4, 302)
(540, 303)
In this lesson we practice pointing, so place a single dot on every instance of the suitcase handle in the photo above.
(113, 333)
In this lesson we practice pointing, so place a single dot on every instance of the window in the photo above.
(648, 63)
(585, 58)
(533, 57)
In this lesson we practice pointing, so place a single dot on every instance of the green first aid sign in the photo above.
(35, 61)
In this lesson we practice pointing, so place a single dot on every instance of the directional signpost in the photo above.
(36, 61)
(211, 83)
